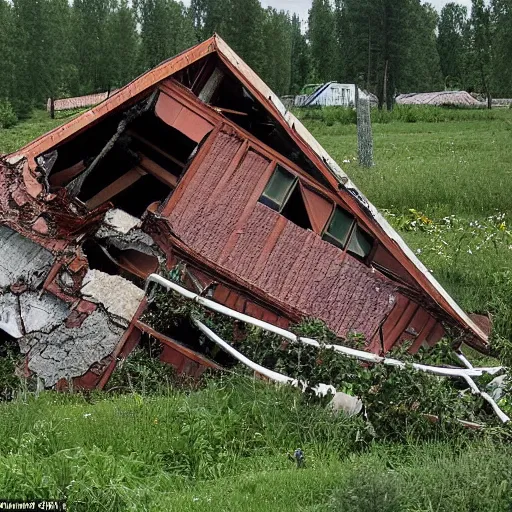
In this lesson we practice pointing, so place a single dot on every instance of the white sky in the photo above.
(302, 6)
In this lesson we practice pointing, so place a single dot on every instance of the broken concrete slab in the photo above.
(121, 221)
(42, 314)
(68, 353)
(22, 260)
(119, 296)
(10, 318)
(27, 313)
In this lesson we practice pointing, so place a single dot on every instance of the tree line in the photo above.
(59, 48)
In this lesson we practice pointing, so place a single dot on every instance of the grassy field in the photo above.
(446, 186)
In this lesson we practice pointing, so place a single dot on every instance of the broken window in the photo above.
(283, 194)
(279, 188)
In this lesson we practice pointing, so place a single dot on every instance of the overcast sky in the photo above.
(302, 6)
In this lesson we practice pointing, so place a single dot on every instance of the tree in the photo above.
(123, 40)
(421, 64)
(93, 52)
(60, 54)
(167, 28)
(29, 47)
(277, 40)
(300, 58)
(322, 39)
(450, 42)
(501, 18)
(482, 50)
(6, 50)
(244, 31)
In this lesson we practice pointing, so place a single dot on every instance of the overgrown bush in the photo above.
(400, 113)
(8, 117)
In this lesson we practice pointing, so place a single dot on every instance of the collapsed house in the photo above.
(196, 166)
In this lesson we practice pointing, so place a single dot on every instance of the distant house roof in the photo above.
(79, 102)
(456, 98)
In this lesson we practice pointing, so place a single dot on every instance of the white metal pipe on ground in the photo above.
(320, 390)
(358, 354)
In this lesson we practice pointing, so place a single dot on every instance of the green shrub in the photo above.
(8, 117)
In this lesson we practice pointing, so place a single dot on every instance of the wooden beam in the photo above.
(157, 171)
(149, 144)
(229, 111)
(122, 183)
(194, 356)
(62, 178)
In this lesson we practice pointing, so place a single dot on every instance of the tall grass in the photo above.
(225, 447)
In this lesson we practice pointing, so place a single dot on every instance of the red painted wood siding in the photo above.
(283, 260)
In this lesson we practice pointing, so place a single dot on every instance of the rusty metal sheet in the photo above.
(182, 118)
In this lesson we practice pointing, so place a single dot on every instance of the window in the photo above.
(279, 189)
(360, 244)
(343, 231)
(283, 194)
(339, 228)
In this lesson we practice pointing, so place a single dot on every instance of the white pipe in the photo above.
(358, 354)
(320, 390)
(476, 391)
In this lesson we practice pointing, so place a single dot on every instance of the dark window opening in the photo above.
(109, 260)
(295, 210)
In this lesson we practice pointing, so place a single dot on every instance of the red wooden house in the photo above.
(198, 163)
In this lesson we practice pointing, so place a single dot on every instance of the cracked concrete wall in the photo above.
(54, 349)
(68, 353)
(27, 313)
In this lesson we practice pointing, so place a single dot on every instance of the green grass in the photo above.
(27, 130)
(225, 447)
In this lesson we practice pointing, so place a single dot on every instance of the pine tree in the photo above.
(300, 59)
(450, 42)
(322, 40)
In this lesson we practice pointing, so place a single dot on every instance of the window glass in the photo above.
(360, 243)
(278, 189)
(339, 228)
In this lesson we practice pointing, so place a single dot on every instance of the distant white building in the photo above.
(333, 94)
